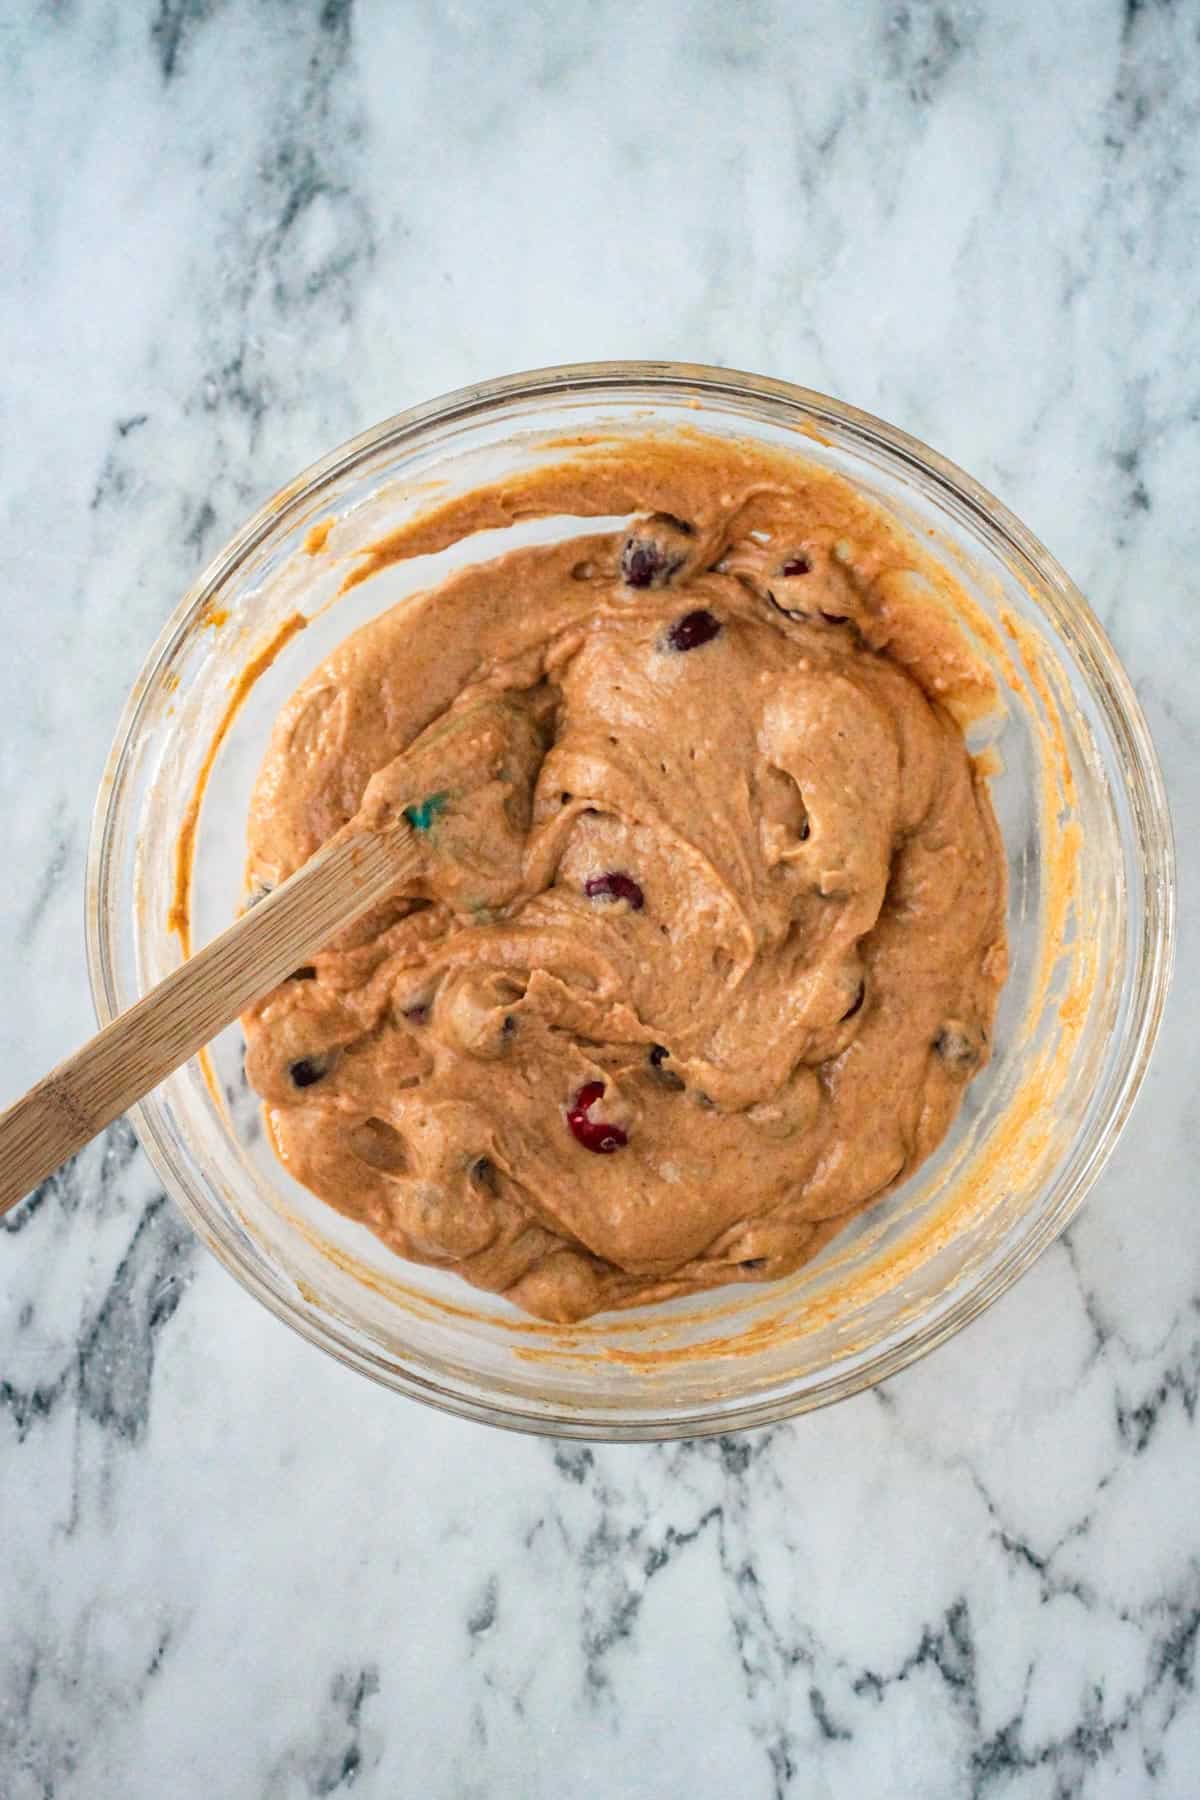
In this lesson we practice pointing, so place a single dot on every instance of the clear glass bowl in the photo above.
(1080, 800)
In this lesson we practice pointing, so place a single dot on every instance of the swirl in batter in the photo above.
(711, 931)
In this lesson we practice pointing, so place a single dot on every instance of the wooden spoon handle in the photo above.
(197, 1000)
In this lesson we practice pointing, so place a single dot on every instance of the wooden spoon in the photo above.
(197, 1000)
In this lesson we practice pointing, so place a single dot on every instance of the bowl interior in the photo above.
(1089, 924)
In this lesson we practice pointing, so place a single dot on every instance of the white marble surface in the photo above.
(234, 233)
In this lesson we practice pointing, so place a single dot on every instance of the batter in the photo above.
(711, 928)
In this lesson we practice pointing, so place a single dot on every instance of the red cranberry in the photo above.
(593, 1134)
(694, 629)
(615, 886)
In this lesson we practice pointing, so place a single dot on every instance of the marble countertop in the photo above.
(235, 234)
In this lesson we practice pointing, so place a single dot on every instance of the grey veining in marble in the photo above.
(236, 231)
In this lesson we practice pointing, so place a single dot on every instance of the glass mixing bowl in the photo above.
(1080, 801)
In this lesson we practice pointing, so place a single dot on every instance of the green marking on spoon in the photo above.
(422, 816)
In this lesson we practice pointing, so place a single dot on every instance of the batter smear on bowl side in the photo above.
(711, 932)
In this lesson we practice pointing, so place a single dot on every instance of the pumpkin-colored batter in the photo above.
(711, 932)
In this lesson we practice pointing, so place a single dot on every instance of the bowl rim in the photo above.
(1056, 595)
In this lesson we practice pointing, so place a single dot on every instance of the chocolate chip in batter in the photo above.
(654, 553)
(307, 973)
(694, 629)
(800, 564)
(658, 1056)
(483, 1171)
(646, 563)
(307, 1070)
